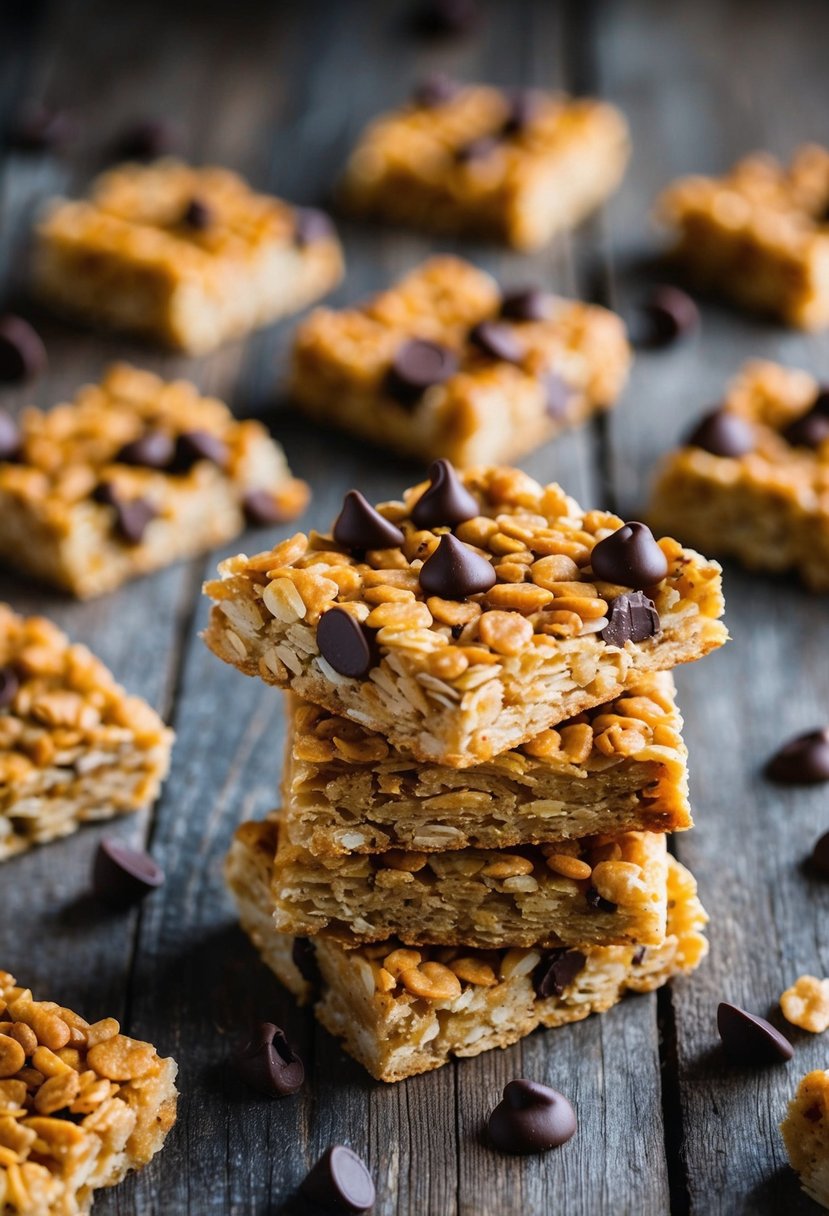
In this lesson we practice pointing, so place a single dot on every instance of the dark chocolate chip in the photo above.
(476, 149)
(639, 956)
(556, 971)
(146, 139)
(305, 960)
(496, 340)
(346, 644)
(435, 18)
(122, 876)
(454, 571)
(417, 365)
(132, 519)
(557, 395)
(106, 494)
(267, 1064)
(152, 450)
(723, 433)
(197, 215)
(340, 1182)
(436, 90)
(629, 557)
(192, 446)
(9, 436)
(803, 760)
(359, 527)
(749, 1039)
(529, 304)
(41, 130)
(446, 502)
(631, 617)
(524, 107)
(311, 225)
(598, 902)
(9, 684)
(531, 1118)
(662, 318)
(261, 508)
(22, 353)
(811, 430)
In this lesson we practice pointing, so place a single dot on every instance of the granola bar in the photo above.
(186, 256)
(131, 475)
(80, 1105)
(806, 1135)
(74, 746)
(511, 166)
(758, 235)
(616, 768)
(401, 1011)
(451, 673)
(443, 364)
(752, 481)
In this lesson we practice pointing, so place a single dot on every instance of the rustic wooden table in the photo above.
(279, 92)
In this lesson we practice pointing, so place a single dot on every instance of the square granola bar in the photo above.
(186, 256)
(74, 746)
(443, 365)
(515, 166)
(133, 474)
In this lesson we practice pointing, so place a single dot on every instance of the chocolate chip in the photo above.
(524, 108)
(197, 215)
(638, 956)
(9, 684)
(261, 508)
(360, 527)
(340, 1182)
(556, 971)
(557, 395)
(454, 571)
(192, 446)
(749, 1039)
(41, 130)
(146, 139)
(598, 902)
(532, 1118)
(446, 502)
(9, 436)
(132, 519)
(152, 450)
(436, 90)
(476, 149)
(629, 557)
(446, 17)
(631, 617)
(417, 365)
(22, 353)
(311, 225)
(662, 318)
(122, 876)
(105, 493)
(811, 430)
(529, 304)
(305, 960)
(346, 644)
(267, 1064)
(802, 761)
(723, 433)
(497, 341)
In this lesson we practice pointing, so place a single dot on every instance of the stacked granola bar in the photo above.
(484, 757)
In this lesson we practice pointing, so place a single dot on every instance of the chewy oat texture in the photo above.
(80, 1105)
(401, 1011)
(73, 745)
(767, 503)
(459, 680)
(133, 474)
(555, 363)
(806, 1135)
(515, 167)
(187, 256)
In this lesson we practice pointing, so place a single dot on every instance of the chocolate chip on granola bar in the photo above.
(556, 971)
(446, 502)
(9, 685)
(639, 956)
(557, 395)
(340, 1182)
(22, 353)
(723, 433)
(811, 430)
(359, 526)
(528, 304)
(146, 139)
(435, 90)
(629, 557)
(748, 1039)
(531, 1118)
(804, 760)
(261, 507)
(417, 365)
(268, 1064)
(346, 644)
(455, 571)
(197, 215)
(122, 876)
(631, 617)
(9, 436)
(152, 450)
(192, 446)
(598, 902)
(132, 519)
(819, 858)
(311, 225)
(663, 317)
(497, 341)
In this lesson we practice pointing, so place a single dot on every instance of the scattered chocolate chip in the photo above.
(22, 353)
(122, 876)
(267, 1064)
(446, 502)
(261, 508)
(446, 17)
(417, 365)
(9, 436)
(802, 761)
(340, 1182)
(556, 971)
(436, 90)
(359, 526)
(106, 494)
(662, 318)
(598, 902)
(454, 571)
(346, 644)
(146, 139)
(152, 450)
(497, 341)
(529, 304)
(132, 519)
(749, 1039)
(629, 557)
(812, 428)
(723, 433)
(638, 956)
(531, 1118)
(41, 130)
(305, 960)
(524, 107)
(631, 617)
(311, 225)
(197, 215)
(557, 395)
(9, 684)
(476, 149)
(192, 446)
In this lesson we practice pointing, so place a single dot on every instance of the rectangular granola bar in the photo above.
(187, 256)
(74, 746)
(516, 166)
(451, 673)
(752, 480)
(80, 1105)
(618, 767)
(441, 364)
(401, 1011)
(133, 474)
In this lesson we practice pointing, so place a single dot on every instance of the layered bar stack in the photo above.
(484, 758)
